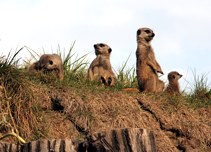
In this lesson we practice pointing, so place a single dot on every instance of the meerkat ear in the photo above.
(174, 77)
(139, 32)
(109, 50)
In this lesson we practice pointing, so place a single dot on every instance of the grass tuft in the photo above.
(16, 95)
(200, 95)
(126, 78)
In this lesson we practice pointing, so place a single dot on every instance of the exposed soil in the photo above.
(76, 112)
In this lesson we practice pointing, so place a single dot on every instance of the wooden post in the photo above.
(120, 140)
(43, 145)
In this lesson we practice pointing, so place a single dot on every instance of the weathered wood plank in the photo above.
(42, 145)
(120, 140)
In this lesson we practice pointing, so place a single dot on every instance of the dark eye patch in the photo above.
(50, 62)
(147, 31)
(101, 45)
(109, 50)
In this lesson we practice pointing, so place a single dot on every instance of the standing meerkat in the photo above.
(49, 63)
(100, 69)
(146, 65)
(173, 86)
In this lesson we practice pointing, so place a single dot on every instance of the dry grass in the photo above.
(179, 123)
(18, 109)
(188, 128)
(95, 108)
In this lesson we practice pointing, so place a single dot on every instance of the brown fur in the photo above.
(146, 65)
(159, 85)
(173, 86)
(100, 69)
(49, 63)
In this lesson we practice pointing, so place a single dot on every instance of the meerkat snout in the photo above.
(179, 76)
(150, 33)
(174, 76)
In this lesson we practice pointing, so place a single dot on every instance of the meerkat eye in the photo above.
(101, 45)
(51, 62)
(109, 50)
(148, 31)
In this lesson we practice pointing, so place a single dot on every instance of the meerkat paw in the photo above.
(161, 72)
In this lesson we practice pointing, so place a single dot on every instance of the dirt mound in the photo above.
(177, 127)
(68, 112)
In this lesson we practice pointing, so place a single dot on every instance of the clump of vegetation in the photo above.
(26, 111)
(18, 109)
(200, 95)
(126, 78)
(74, 67)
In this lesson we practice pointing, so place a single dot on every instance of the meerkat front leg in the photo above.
(155, 67)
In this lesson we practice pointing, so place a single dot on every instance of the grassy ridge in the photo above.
(19, 90)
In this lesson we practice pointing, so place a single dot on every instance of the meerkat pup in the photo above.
(100, 69)
(49, 63)
(173, 86)
(147, 68)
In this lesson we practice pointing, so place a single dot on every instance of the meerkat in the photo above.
(147, 68)
(49, 63)
(100, 69)
(173, 86)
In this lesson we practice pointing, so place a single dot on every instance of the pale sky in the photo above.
(182, 30)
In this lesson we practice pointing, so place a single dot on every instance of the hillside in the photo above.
(42, 107)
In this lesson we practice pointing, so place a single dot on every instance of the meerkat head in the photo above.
(174, 76)
(102, 48)
(46, 62)
(145, 34)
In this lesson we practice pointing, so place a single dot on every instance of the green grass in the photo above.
(126, 77)
(16, 95)
(75, 69)
(200, 95)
